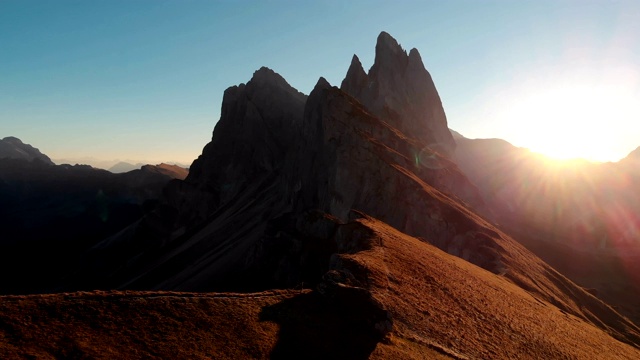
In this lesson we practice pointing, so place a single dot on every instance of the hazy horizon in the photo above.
(145, 80)
(107, 164)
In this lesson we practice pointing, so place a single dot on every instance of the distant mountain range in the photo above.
(122, 167)
(173, 170)
(115, 166)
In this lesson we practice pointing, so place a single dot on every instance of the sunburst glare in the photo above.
(575, 115)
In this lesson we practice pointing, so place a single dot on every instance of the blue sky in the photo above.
(143, 80)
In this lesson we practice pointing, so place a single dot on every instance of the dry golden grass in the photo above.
(440, 301)
(442, 307)
(137, 325)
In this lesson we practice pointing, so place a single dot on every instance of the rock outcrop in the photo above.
(400, 91)
(259, 125)
(13, 148)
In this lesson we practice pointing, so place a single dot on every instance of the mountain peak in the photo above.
(322, 84)
(267, 75)
(258, 125)
(414, 57)
(266, 78)
(355, 63)
(14, 148)
(386, 42)
(389, 54)
(356, 75)
(12, 140)
(400, 91)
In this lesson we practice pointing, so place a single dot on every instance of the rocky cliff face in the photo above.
(259, 125)
(365, 164)
(400, 91)
(13, 148)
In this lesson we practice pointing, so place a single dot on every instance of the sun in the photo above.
(574, 118)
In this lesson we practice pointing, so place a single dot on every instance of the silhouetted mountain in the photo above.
(13, 148)
(275, 197)
(400, 91)
(350, 196)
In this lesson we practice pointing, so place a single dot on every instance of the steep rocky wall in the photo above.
(399, 90)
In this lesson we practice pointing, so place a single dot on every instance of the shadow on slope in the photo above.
(50, 214)
(311, 328)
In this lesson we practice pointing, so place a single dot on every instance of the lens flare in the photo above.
(429, 158)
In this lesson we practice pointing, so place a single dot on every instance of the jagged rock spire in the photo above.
(399, 90)
(259, 122)
(356, 76)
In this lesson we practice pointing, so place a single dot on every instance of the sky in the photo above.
(143, 80)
